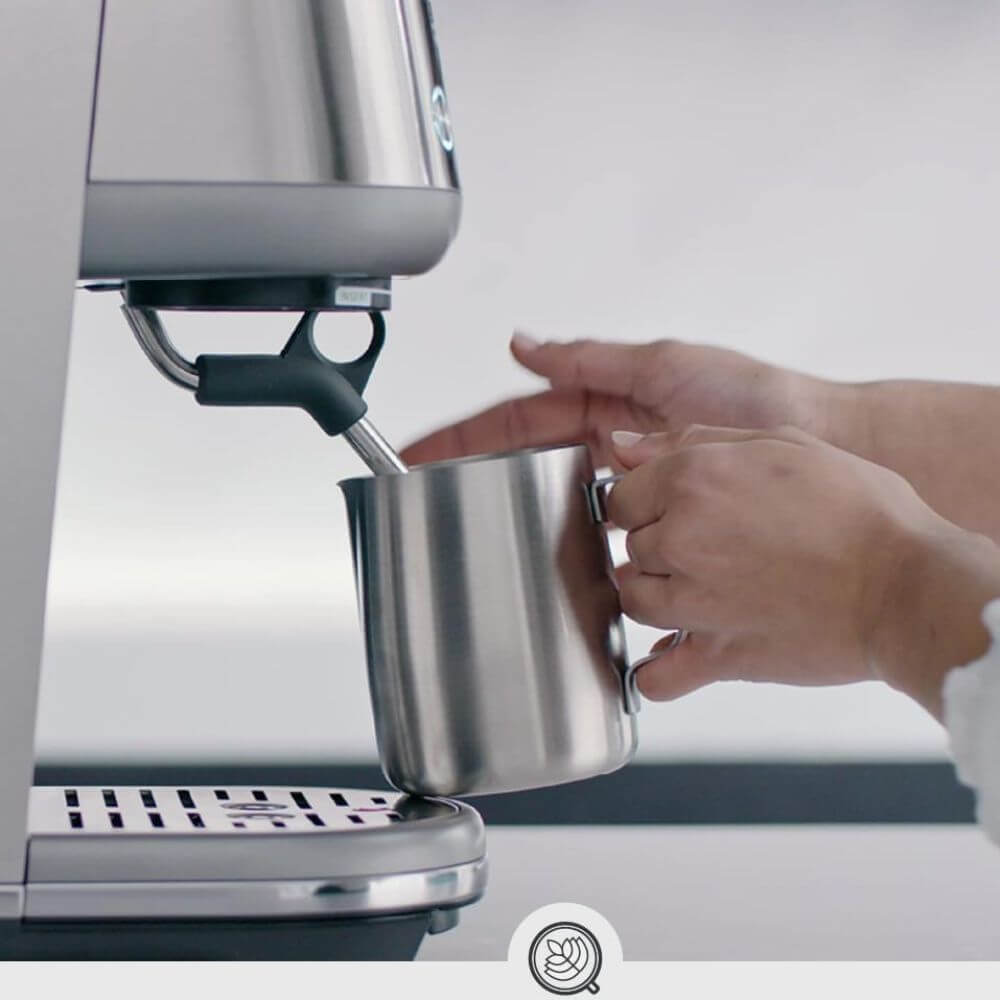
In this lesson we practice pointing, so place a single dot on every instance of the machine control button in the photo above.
(442, 119)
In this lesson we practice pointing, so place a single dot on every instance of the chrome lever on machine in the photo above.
(330, 391)
(157, 346)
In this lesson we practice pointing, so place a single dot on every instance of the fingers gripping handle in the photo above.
(597, 498)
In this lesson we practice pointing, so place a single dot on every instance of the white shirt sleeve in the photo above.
(972, 718)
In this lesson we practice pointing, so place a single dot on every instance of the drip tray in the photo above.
(240, 853)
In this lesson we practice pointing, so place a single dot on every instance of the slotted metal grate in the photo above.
(205, 853)
(164, 810)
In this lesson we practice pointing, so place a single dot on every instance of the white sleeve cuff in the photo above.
(972, 717)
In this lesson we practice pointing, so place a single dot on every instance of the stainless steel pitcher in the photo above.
(496, 653)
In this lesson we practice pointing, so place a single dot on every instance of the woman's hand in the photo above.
(939, 436)
(597, 387)
(789, 560)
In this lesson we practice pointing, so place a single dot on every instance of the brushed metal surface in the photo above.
(492, 627)
(11, 902)
(265, 137)
(48, 52)
(366, 895)
(269, 92)
(208, 230)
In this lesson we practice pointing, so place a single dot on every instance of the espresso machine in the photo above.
(290, 156)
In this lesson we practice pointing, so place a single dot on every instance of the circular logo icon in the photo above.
(565, 958)
(441, 119)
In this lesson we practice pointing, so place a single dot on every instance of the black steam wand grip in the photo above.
(329, 391)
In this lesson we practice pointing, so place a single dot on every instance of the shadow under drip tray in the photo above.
(380, 939)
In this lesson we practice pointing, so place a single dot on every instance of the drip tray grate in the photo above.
(167, 809)
(171, 852)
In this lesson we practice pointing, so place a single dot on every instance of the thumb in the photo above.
(597, 366)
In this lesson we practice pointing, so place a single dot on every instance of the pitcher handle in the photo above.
(597, 500)
(597, 496)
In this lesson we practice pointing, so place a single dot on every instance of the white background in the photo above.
(814, 183)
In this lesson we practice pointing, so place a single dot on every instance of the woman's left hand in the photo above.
(791, 561)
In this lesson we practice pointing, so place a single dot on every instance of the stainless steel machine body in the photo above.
(496, 652)
(199, 139)
(269, 137)
(48, 60)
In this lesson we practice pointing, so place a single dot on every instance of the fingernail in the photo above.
(626, 439)
(522, 342)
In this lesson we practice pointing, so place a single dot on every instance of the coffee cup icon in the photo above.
(565, 958)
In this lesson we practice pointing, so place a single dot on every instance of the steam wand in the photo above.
(330, 391)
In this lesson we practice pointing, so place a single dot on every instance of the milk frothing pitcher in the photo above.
(494, 639)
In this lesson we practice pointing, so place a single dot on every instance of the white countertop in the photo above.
(744, 892)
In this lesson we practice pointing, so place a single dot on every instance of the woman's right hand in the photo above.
(596, 387)
(793, 562)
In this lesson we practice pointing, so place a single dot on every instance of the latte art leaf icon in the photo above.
(565, 958)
